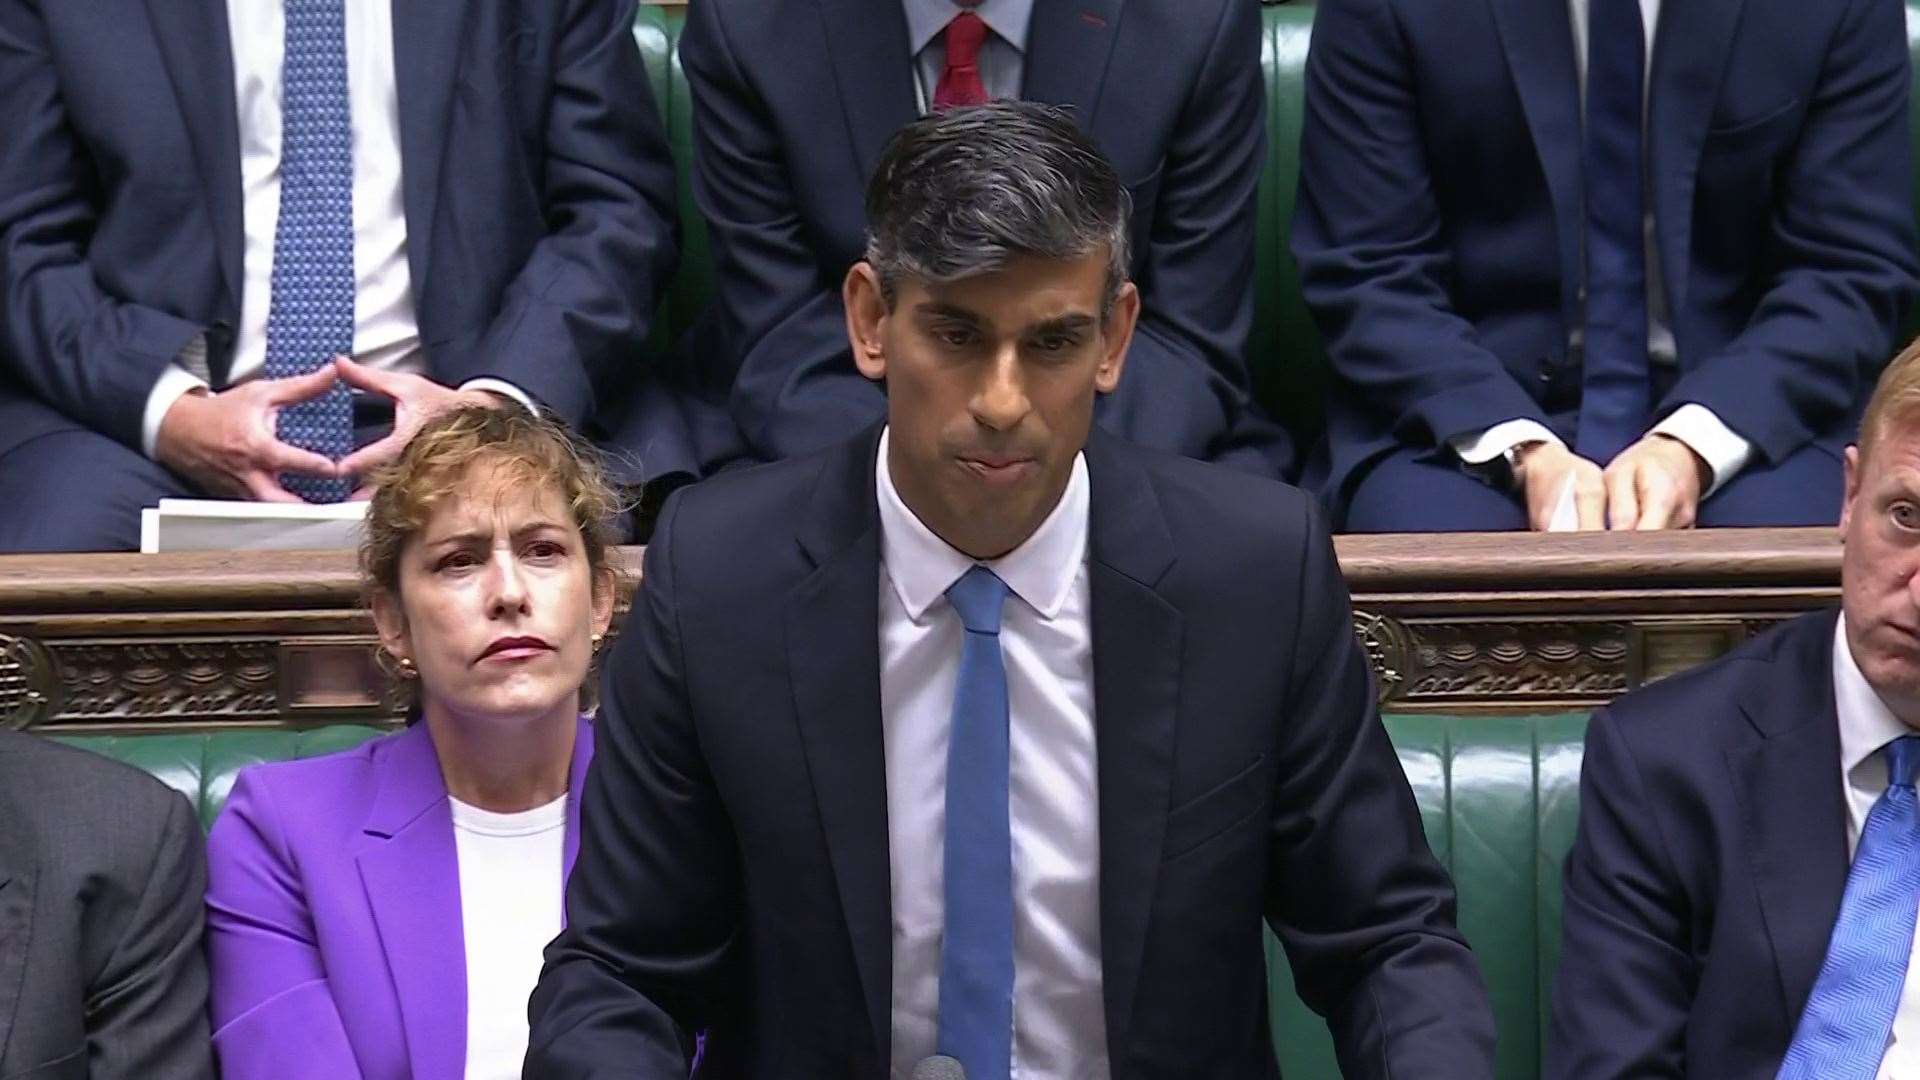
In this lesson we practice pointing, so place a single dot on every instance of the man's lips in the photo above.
(514, 648)
(1002, 467)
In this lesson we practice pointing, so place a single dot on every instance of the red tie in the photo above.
(960, 83)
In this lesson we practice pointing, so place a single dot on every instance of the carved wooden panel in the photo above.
(1464, 623)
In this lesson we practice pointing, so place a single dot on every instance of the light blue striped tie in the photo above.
(310, 310)
(1843, 1032)
(976, 948)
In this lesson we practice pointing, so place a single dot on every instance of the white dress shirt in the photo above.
(385, 334)
(506, 919)
(1699, 427)
(1866, 725)
(1053, 791)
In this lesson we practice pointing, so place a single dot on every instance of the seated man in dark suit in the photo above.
(984, 734)
(101, 875)
(1742, 892)
(202, 204)
(793, 100)
(1586, 263)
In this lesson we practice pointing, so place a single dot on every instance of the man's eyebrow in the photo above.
(1066, 324)
(935, 309)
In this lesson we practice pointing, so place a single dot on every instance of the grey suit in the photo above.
(102, 873)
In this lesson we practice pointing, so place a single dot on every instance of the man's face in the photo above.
(1880, 567)
(990, 388)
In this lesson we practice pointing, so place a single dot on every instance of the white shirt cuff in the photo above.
(1478, 448)
(1706, 434)
(501, 386)
(173, 382)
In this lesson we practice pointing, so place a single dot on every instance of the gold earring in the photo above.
(407, 670)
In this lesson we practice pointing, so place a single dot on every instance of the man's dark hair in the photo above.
(962, 192)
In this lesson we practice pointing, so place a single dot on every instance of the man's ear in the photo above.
(391, 624)
(1117, 334)
(866, 312)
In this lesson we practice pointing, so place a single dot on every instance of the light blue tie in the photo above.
(310, 311)
(976, 951)
(1843, 1031)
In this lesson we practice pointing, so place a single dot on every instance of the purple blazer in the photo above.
(334, 938)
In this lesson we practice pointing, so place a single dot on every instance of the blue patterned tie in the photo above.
(976, 950)
(310, 312)
(1843, 1032)
(1615, 397)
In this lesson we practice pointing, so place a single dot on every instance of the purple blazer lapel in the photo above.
(411, 872)
(576, 783)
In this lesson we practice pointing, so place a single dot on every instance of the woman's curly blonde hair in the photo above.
(519, 449)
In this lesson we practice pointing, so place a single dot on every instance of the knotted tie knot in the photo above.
(1903, 760)
(978, 598)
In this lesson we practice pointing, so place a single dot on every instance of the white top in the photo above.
(1866, 725)
(507, 918)
(385, 334)
(1725, 451)
(1053, 792)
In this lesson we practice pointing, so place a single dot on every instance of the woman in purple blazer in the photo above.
(380, 913)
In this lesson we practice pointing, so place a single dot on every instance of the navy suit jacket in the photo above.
(793, 101)
(733, 870)
(1439, 226)
(1706, 875)
(538, 191)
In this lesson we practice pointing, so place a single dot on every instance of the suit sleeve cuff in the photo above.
(1481, 447)
(175, 381)
(1704, 433)
(505, 389)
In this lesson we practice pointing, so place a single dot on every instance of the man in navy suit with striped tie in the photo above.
(204, 203)
(1741, 896)
(984, 735)
(1602, 263)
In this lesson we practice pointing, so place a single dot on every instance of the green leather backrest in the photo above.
(1288, 366)
(1498, 796)
(202, 766)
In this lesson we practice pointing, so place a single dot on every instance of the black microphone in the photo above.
(940, 1067)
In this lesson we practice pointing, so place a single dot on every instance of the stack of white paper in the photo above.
(225, 525)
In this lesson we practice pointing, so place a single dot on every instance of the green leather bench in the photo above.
(1498, 796)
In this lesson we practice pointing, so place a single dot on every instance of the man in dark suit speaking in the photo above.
(985, 735)
(1742, 892)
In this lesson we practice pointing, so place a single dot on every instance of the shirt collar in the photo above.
(1041, 571)
(1006, 18)
(1866, 724)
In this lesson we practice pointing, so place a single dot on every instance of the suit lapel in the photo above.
(833, 634)
(576, 783)
(411, 872)
(1785, 772)
(428, 39)
(198, 52)
(1538, 39)
(873, 71)
(1689, 61)
(1136, 689)
(1068, 43)
(16, 932)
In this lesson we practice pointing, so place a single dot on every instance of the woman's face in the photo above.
(498, 606)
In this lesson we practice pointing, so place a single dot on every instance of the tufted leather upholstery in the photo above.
(1498, 796)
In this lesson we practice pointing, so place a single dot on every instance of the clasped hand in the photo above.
(227, 443)
(1656, 483)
